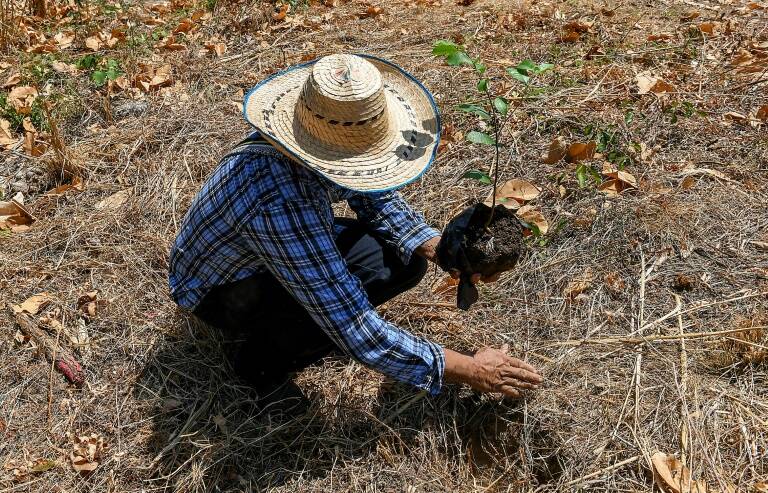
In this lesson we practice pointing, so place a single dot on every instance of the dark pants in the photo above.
(272, 334)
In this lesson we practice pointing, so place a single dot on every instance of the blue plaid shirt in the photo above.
(261, 211)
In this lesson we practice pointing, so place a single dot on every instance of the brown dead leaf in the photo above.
(21, 98)
(371, 11)
(14, 216)
(185, 26)
(659, 37)
(77, 185)
(12, 80)
(64, 68)
(7, 139)
(86, 453)
(87, 304)
(280, 12)
(114, 201)
(93, 43)
(557, 150)
(570, 37)
(672, 476)
(514, 193)
(619, 180)
(708, 28)
(579, 26)
(171, 44)
(33, 304)
(465, 3)
(693, 14)
(578, 285)
(595, 51)
(64, 40)
(446, 286)
(217, 49)
(614, 283)
(648, 83)
(762, 113)
(533, 216)
(579, 151)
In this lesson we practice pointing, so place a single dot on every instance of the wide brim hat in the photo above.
(360, 121)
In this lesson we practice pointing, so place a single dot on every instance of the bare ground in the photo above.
(685, 251)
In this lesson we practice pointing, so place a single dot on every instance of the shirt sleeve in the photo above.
(297, 245)
(393, 220)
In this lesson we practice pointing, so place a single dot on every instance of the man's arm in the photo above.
(395, 222)
(298, 247)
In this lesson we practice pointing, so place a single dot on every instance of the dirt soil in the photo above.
(496, 246)
(598, 303)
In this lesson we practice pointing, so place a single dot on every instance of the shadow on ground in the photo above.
(210, 434)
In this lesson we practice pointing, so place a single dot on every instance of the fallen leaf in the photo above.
(708, 28)
(446, 286)
(557, 150)
(64, 40)
(185, 25)
(570, 37)
(762, 113)
(596, 50)
(371, 11)
(578, 285)
(217, 49)
(21, 98)
(619, 181)
(93, 43)
(280, 12)
(513, 194)
(693, 14)
(579, 151)
(64, 68)
(14, 216)
(579, 26)
(534, 217)
(12, 80)
(114, 201)
(672, 476)
(648, 83)
(33, 304)
(86, 453)
(465, 3)
(42, 465)
(6, 136)
(659, 37)
(614, 282)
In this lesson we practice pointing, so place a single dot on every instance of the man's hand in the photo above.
(428, 250)
(491, 370)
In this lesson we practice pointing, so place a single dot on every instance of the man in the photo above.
(261, 256)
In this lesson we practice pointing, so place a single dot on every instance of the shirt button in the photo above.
(402, 249)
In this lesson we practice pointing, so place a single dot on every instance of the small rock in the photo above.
(19, 186)
(125, 109)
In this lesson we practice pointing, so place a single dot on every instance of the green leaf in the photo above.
(480, 67)
(445, 48)
(88, 61)
(474, 109)
(543, 67)
(99, 77)
(526, 66)
(516, 74)
(44, 465)
(459, 58)
(581, 175)
(501, 105)
(482, 85)
(480, 138)
(479, 176)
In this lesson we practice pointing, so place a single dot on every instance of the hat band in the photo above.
(339, 122)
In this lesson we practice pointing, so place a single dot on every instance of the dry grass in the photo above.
(174, 417)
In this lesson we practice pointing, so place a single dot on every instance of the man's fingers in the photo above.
(522, 374)
(517, 383)
(509, 391)
(520, 364)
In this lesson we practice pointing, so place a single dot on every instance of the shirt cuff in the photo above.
(413, 239)
(433, 382)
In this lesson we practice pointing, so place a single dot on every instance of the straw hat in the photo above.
(360, 121)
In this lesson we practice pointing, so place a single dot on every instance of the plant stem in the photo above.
(496, 135)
